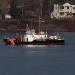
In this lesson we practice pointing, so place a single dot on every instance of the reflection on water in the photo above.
(39, 46)
(35, 50)
(42, 46)
(35, 53)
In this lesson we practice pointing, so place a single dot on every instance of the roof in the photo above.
(66, 4)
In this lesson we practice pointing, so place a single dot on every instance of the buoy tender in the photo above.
(32, 38)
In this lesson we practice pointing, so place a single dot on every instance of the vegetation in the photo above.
(14, 11)
(29, 17)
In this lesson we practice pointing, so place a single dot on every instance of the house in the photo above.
(63, 11)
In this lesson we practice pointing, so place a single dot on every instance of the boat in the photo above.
(30, 37)
(33, 40)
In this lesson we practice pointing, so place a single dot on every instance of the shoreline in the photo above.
(51, 25)
(23, 30)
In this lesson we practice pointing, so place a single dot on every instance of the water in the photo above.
(38, 60)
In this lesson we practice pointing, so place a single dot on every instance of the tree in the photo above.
(14, 11)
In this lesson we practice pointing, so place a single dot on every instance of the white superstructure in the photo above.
(31, 35)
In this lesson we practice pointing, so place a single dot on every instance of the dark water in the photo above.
(38, 60)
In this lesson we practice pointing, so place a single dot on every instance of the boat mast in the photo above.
(39, 23)
(40, 15)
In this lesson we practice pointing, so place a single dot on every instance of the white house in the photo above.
(62, 11)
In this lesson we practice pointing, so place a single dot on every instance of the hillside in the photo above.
(31, 18)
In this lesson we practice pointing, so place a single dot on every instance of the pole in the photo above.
(40, 15)
(41, 8)
(39, 23)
